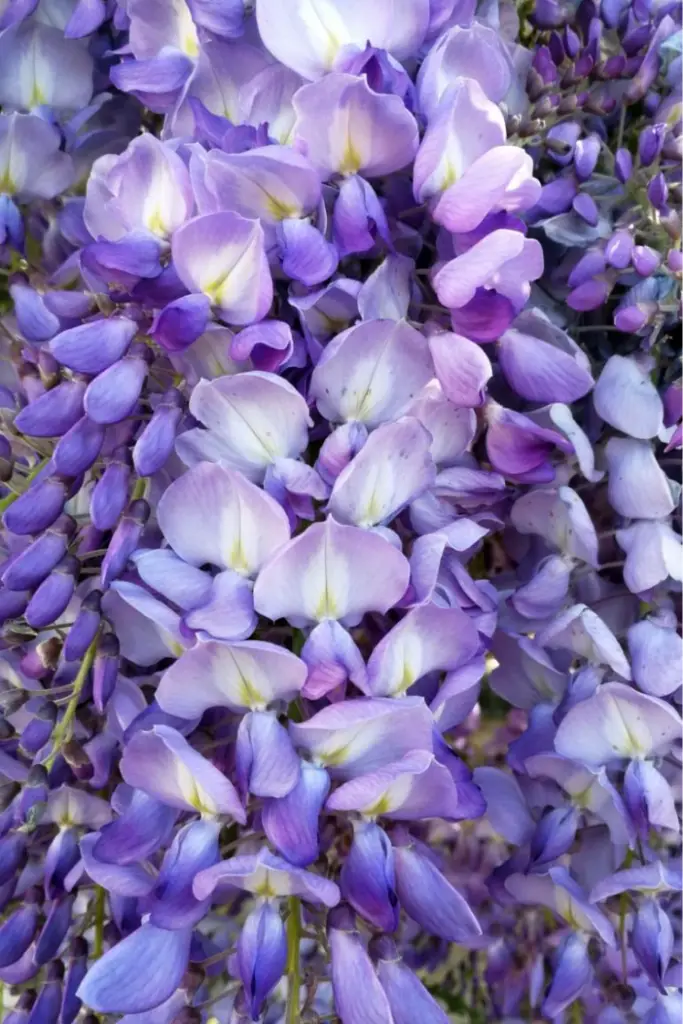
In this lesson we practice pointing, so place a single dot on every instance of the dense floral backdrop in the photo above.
(340, 428)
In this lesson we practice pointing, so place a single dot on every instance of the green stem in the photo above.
(293, 960)
(11, 498)
(622, 124)
(63, 730)
(140, 488)
(623, 907)
(98, 944)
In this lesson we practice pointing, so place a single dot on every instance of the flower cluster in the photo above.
(340, 563)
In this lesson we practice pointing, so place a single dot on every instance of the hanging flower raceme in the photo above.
(340, 501)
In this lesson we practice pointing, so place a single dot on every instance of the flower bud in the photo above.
(13, 855)
(79, 447)
(85, 626)
(54, 412)
(261, 954)
(585, 206)
(650, 143)
(105, 670)
(17, 931)
(12, 604)
(125, 540)
(77, 760)
(53, 594)
(586, 156)
(37, 508)
(38, 730)
(42, 659)
(618, 249)
(92, 347)
(110, 493)
(658, 191)
(645, 260)
(623, 165)
(155, 444)
(36, 561)
(114, 393)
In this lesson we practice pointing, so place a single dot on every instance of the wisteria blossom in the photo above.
(340, 512)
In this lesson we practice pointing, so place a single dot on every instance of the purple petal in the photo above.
(305, 253)
(617, 722)
(291, 822)
(254, 417)
(462, 368)
(194, 848)
(311, 46)
(163, 765)
(358, 736)
(358, 996)
(139, 972)
(332, 658)
(414, 788)
(181, 322)
(346, 128)
(266, 762)
(358, 220)
(431, 900)
(408, 998)
(137, 833)
(540, 372)
(387, 290)
(367, 877)
(626, 398)
(637, 486)
(133, 880)
(223, 256)
(506, 808)
(428, 639)
(261, 954)
(656, 657)
(308, 579)
(370, 372)
(266, 873)
(238, 676)
(213, 514)
(92, 347)
(268, 345)
(392, 469)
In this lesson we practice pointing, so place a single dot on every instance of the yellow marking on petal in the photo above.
(335, 757)
(450, 176)
(6, 183)
(191, 44)
(280, 210)
(156, 224)
(249, 695)
(351, 161)
(582, 799)
(238, 559)
(407, 679)
(196, 798)
(37, 96)
(265, 889)
(327, 606)
(381, 806)
(373, 509)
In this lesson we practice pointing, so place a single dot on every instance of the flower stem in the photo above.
(63, 729)
(98, 944)
(293, 960)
